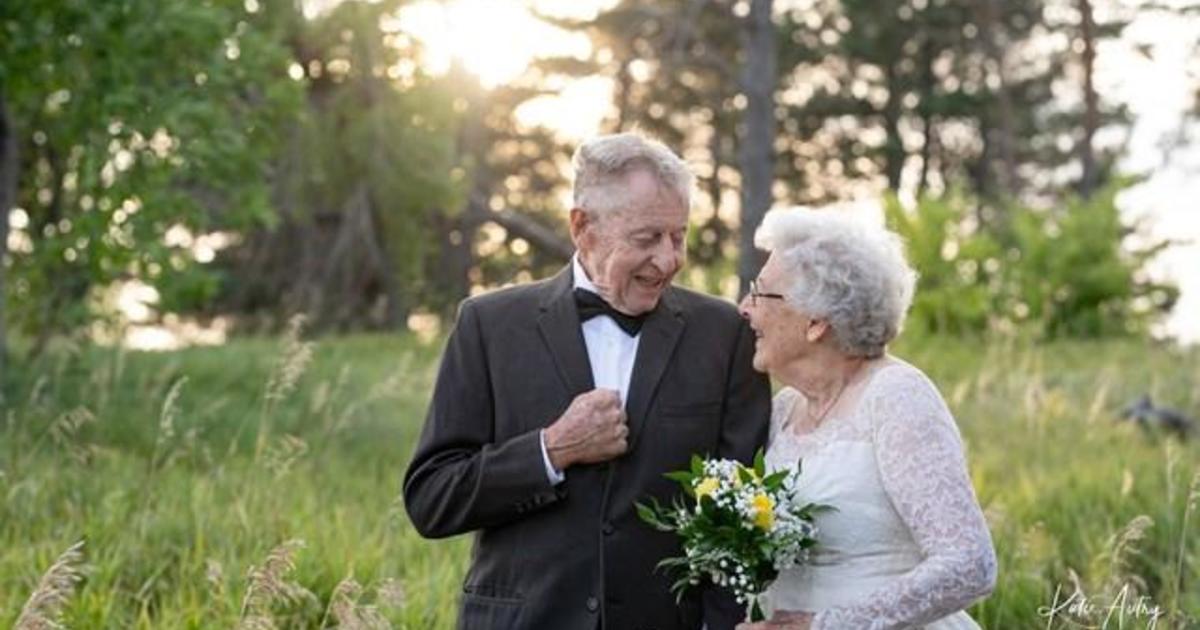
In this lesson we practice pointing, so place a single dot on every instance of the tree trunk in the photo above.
(757, 145)
(69, 282)
(395, 312)
(893, 151)
(623, 95)
(928, 131)
(377, 248)
(8, 196)
(1003, 134)
(1091, 112)
(473, 143)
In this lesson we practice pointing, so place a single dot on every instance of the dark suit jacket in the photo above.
(576, 556)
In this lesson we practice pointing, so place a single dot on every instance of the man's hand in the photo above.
(592, 430)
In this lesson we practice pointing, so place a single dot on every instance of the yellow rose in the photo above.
(707, 487)
(764, 514)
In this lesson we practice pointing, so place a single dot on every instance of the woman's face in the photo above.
(782, 333)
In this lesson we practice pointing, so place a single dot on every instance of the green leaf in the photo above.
(646, 513)
(682, 476)
(775, 480)
(745, 475)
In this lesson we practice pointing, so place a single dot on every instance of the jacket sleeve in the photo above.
(460, 478)
(745, 420)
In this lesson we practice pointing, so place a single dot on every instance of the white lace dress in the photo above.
(907, 546)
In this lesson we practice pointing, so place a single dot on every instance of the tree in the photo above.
(358, 184)
(759, 78)
(701, 75)
(8, 192)
(399, 191)
(135, 120)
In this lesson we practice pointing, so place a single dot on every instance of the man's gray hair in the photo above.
(602, 163)
(839, 269)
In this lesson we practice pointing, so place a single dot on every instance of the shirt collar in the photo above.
(581, 279)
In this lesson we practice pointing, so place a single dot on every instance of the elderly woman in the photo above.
(907, 545)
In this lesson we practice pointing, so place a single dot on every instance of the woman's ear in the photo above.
(816, 330)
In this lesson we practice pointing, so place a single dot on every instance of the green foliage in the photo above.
(175, 505)
(134, 116)
(1076, 278)
(954, 294)
(175, 510)
(364, 131)
(1061, 272)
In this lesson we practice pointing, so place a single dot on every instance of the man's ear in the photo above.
(816, 330)
(579, 222)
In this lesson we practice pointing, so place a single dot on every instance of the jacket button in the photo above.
(593, 604)
(608, 529)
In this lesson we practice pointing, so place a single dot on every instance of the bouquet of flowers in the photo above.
(743, 527)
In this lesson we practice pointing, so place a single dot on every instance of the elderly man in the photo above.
(561, 403)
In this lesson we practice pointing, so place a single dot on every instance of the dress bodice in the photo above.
(906, 545)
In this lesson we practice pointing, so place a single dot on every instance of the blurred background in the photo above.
(287, 200)
(194, 169)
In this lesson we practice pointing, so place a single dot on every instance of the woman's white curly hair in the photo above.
(840, 269)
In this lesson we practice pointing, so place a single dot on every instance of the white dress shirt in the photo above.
(610, 351)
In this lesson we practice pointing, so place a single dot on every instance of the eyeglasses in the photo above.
(755, 294)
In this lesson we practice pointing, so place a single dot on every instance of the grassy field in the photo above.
(259, 482)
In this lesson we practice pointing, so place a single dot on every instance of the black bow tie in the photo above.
(592, 305)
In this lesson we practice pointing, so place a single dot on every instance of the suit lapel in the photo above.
(660, 334)
(558, 323)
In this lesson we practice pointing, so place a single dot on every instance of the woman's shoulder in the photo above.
(899, 386)
(894, 374)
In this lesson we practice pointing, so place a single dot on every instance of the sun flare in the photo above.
(497, 40)
(493, 39)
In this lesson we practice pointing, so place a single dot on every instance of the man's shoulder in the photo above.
(517, 296)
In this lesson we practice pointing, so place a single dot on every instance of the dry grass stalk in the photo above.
(214, 575)
(347, 609)
(397, 382)
(167, 417)
(43, 609)
(292, 363)
(268, 586)
(170, 411)
(64, 431)
(325, 392)
(284, 454)
(66, 427)
(37, 393)
(390, 593)
(1193, 500)
(1122, 547)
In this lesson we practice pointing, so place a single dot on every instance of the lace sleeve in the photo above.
(921, 463)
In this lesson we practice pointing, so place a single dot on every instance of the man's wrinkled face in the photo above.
(632, 253)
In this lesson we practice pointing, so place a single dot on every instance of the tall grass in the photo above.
(255, 485)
